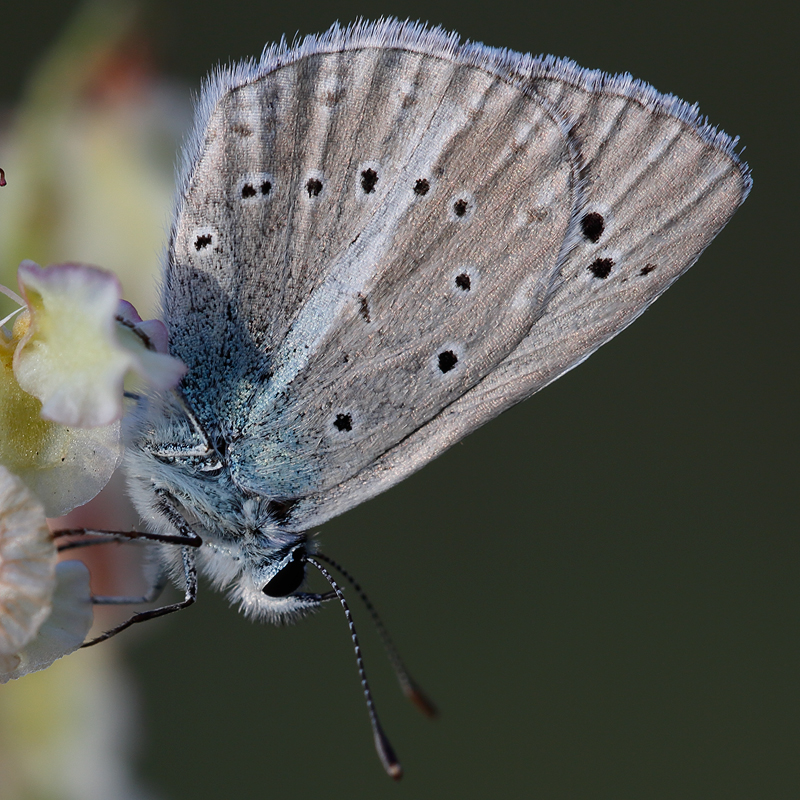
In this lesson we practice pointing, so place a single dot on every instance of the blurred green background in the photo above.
(600, 588)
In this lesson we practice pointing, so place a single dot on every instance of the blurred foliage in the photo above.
(88, 155)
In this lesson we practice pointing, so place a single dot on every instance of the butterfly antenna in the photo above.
(382, 745)
(409, 686)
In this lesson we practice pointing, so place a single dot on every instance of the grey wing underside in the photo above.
(663, 202)
(359, 342)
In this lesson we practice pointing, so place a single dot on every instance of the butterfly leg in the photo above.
(186, 538)
(190, 595)
(152, 594)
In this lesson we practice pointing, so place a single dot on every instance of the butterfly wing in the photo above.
(364, 332)
(659, 186)
(348, 243)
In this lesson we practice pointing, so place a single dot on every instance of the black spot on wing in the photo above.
(447, 360)
(369, 180)
(593, 226)
(460, 207)
(422, 187)
(601, 267)
(343, 422)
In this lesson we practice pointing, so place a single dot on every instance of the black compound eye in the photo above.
(289, 579)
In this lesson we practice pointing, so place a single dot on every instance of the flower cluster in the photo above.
(62, 370)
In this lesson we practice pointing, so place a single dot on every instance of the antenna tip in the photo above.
(421, 701)
(386, 754)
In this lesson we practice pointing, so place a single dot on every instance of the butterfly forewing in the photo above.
(399, 219)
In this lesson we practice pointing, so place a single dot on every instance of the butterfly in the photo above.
(383, 239)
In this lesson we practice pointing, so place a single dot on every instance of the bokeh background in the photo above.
(599, 588)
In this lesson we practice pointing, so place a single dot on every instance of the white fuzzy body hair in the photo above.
(239, 537)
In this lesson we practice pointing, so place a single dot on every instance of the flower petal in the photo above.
(81, 342)
(27, 567)
(63, 466)
(152, 329)
(64, 631)
(148, 344)
(69, 358)
(74, 464)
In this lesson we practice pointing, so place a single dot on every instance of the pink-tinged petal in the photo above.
(126, 312)
(69, 358)
(155, 332)
(81, 342)
(147, 342)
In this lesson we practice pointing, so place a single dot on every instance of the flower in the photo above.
(45, 607)
(61, 380)
(78, 342)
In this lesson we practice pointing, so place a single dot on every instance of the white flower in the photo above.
(45, 607)
(63, 466)
(81, 343)
(61, 380)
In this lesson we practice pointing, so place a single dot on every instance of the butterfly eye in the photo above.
(288, 579)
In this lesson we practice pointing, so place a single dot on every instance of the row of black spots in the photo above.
(250, 190)
(601, 268)
(369, 181)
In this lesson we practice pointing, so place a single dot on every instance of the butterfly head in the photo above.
(270, 587)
